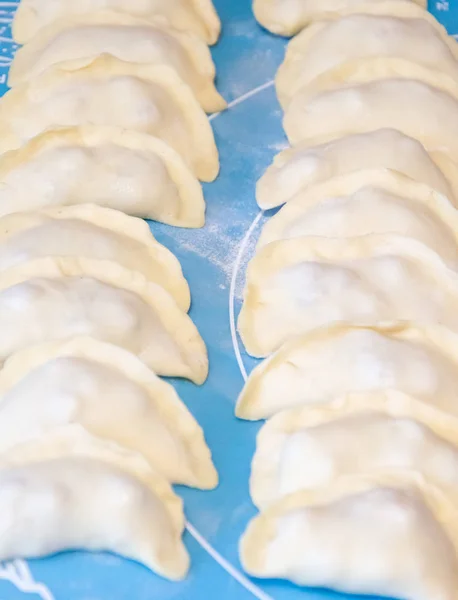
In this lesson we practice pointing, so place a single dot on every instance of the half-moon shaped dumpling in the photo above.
(302, 166)
(111, 394)
(113, 93)
(120, 169)
(371, 537)
(88, 231)
(325, 45)
(59, 298)
(196, 16)
(73, 441)
(298, 284)
(288, 17)
(76, 42)
(79, 503)
(379, 104)
(358, 435)
(365, 70)
(416, 211)
(317, 368)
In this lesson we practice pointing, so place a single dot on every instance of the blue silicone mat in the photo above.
(213, 259)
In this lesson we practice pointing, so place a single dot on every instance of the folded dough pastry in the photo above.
(75, 42)
(51, 299)
(196, 16)
(374, 536)
(81, 503)
(73, 441)
(125, 170)
(365, 70)
(287, 17)
(357, 434)
(89, 231)
(316, 368)
(298, 284)
(415, 211)
(108, 393)
(296, 169)
(375, 105)
(328, 44)
(113, 93)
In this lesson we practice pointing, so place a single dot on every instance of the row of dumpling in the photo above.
(105, 109)
(352, 297)
(92, 310)
(108, 106)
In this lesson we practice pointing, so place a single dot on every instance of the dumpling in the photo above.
(76, 42)
(376, 536)
(365, 70)
(316, 368)
(55, 299)
(113, 93)
(73, 441)
(376, 105)
(328, 44)
(79, 503)
(119, 169)
(89, 231)
(296, 169)
(287, 17)
(198, 17)
(109, 393)
(355, 435)
(298, 284)
(416, 211)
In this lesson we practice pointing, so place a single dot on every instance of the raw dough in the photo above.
(111, 92)
(287, 17)
(299, 168)
(296, 285)
(75, 503)
(75, 42)
(109, 393)
(195, 16)
(316, 368)
(359, 434)
(416, 211)
(328, 44)
(88, 231)
(125, 170)
(376, 105)
(55, 299)
(376, 536)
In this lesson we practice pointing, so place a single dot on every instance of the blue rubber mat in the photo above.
(213, 259)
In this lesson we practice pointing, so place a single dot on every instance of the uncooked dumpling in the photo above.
(417, 212)
(118, 94)
(111, 394)
(55, 299)
(196, 16)
(369, 433)
(377, 536)
(376, 105)
(73, 441)
(365, 70)
(296, 169)
(298, 284)
(325, 45)
(89, 231)
(78, 503)
(74, 43)
(287, 17)
(317, 368)
(120, 169)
